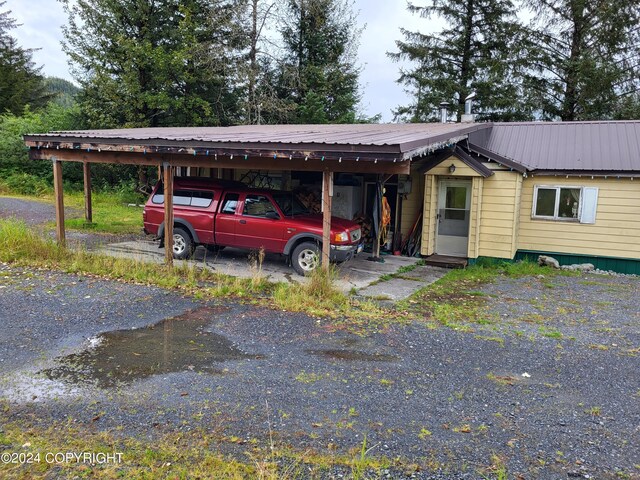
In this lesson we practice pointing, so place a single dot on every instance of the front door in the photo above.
(454, 204)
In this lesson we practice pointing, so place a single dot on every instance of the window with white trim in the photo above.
(565, 203)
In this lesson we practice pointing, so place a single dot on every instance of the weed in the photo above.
(256, 259)
(498, 340)
(466, 428)
(594, 411)
(502, 379)
(483, 428)
(304, 377)
(497, 470)
(424, 433)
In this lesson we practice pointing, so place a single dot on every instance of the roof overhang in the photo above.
(461, 155)
(496, 158)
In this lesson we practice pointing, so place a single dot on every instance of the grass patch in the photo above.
(111, 213)
(22, 246)
(550, 333)
(196, 454)
(320, 297)
(455, 299)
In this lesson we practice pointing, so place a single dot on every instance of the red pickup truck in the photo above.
(220, 214)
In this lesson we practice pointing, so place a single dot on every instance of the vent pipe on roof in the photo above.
(444, 112)
(468, 117)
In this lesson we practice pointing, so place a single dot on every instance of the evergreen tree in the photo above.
(481, 50)
(21, 82)
(155, 62)
(585, 58)
(317, 79)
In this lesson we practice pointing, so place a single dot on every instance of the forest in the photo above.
(149, 63)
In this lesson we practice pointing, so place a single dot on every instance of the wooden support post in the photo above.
(59, 200)
(88, 213)
(168, 213)
(327, 194)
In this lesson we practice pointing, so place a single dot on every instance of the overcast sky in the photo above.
(42, 20)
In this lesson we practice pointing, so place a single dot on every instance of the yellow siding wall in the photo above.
(428, 243)
(500, 208)
(412, 205)
(476, 208)
(616, 232)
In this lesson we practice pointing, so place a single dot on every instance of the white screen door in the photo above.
(454, 204)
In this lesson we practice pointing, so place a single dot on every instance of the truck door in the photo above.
(226, 219)
(258, 227)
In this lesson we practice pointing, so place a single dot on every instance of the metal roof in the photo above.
(406, 140)
(612, 146)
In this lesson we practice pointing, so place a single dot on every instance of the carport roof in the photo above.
(383, 141)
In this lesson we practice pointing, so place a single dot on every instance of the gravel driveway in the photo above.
(548, 405)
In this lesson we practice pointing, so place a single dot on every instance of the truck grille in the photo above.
(355, 235)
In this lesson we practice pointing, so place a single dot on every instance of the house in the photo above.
(470, 190)
(514, 190)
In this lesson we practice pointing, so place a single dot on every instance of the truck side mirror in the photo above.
(272, 215)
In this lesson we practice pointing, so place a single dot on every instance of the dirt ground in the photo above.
(549, 384)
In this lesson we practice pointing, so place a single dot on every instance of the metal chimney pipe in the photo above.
(468, 103)
(444, 112)
(468, 117)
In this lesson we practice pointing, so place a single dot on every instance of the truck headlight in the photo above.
(341, 237)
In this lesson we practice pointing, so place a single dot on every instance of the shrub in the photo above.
(25, 184)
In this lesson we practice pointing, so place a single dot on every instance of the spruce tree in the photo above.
(155, 62)
(585, 58)
(481, 49)
(21, 82)
(318, 77)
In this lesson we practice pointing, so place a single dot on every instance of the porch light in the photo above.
(452, 168)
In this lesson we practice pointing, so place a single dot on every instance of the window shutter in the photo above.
(589, 205)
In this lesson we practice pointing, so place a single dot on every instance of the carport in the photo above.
(381, 149)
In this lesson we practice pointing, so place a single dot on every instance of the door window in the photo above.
(230, 203)
(257, 206)
(455, 203)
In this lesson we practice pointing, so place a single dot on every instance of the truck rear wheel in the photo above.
(182, 244)
(305, 258)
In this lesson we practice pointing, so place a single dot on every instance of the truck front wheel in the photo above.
(182, 244)
(305, 258)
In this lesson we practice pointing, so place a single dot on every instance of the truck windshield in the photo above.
(289, 204)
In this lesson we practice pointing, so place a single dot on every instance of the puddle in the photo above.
(173, 345)
(24, 387)
(354, 355)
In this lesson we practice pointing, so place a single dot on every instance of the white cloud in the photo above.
(41, 28)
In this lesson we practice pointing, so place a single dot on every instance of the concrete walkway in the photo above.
(404, 284)
(359, 275)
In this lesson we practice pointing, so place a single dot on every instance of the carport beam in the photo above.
(327, 194)
(59, 200)
(88, 213)
(168, 214)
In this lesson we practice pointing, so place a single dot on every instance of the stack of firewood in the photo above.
(365, 225)
(311, 199)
